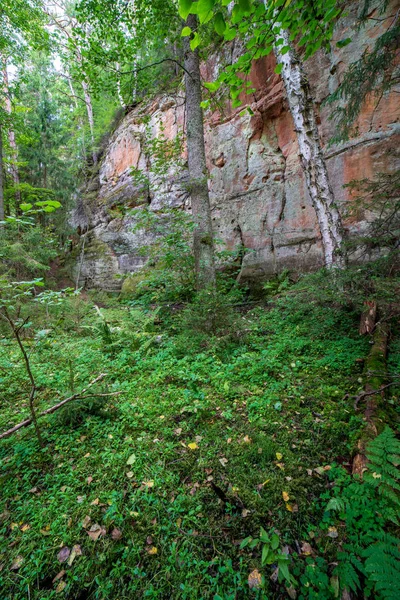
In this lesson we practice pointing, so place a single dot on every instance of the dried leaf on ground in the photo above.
(285, 496)
(76, 551)
(59, 575)
(116, 534)
(60, 587)
(306, 549)
(17, 562)
(86, 521)
(63, 555)
(255, 580)
(96, 531)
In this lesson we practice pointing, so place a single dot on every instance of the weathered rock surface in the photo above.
(257, 189)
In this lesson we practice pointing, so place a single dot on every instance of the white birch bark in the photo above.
(312, 159)
(89, 110)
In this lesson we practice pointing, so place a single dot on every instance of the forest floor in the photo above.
(150, 493)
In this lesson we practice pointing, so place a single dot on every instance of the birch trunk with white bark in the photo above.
(89, 110)
(203, 241)
(312, 159)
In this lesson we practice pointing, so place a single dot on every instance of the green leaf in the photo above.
(213, 86)
(274, 541)
(205, 10)
(25, 206)
(185, 8)
(264, 555)
(194, 42)
(343, 43)
(245, 5)
(230, 34)
(284, 568)
(278, 69)
(186, 31)
(219, 24)
(237, 14)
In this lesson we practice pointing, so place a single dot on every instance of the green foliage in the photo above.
(271, 553)
(135, 471)
(374, 74)
(378, 201)
(367, 511)
(168, 275)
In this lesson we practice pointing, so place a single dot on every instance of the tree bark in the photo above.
(302, 109)
(89, 110)
(11, 139)
(2, 215)
(375, 370)
(203, 240)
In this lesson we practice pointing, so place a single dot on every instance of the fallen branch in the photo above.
(78, 396)
(359, 397)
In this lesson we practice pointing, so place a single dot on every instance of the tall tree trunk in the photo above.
(119, 94)
(1, 178)
(203, 241)
(89, 110)
(312, 159)
(11, 139)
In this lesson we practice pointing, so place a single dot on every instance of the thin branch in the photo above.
(79, 396)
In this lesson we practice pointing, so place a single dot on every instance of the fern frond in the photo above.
(383, 565)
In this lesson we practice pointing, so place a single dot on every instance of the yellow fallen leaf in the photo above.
(192, 446)
(255, 580)
(281, 466)
(179, 522)
(279, 456)
(289, 507)
(25, 527)
(285, 496)
(153, 550)
(60, 587)
(266, 481)
(148, 484)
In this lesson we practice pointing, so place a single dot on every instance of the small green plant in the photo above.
(367, 513)
(271, 554)
(278, 284)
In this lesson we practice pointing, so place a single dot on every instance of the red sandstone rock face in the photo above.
(257, 189)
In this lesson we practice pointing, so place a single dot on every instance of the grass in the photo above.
(191, 458)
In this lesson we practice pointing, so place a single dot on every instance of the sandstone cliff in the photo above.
(258, 194)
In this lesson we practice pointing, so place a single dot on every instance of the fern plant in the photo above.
(367, 511)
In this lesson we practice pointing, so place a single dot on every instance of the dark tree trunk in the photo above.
(198, 176)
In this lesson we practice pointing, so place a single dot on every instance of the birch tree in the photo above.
(302, 109)
(273, 26)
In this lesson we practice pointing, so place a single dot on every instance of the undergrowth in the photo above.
(212, 437)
